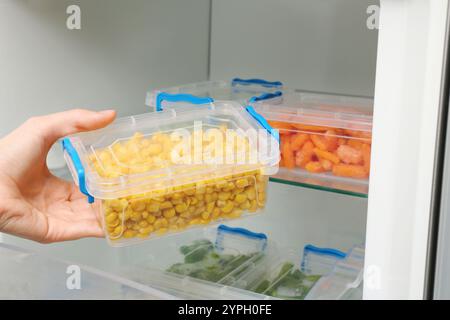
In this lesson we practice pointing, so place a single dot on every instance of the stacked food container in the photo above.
(166, 171)
(238, 90)
(223, 262)
(172, 170)
(325, 139)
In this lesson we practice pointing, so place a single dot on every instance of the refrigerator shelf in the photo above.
(33, 275)
(349, 188)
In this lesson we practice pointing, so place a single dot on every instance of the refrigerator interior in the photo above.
(124, 50)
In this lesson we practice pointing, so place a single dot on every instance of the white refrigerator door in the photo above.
(407, 98)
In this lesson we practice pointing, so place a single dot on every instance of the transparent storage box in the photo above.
(200, 264)
(231, 263)
(325, 139)
(28, 275)
(239, 90)
(344, 281)
(163, 172)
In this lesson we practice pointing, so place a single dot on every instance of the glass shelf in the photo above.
(323, 182)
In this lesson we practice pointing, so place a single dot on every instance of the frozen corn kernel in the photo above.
(136, 216)
(228, 207)
(151, 219)
(143, 223)
(209, 198)
(242, 183)
(146, 230)
(240, 198)
(162, 231)
(195, 221)
(114, 223)
(166, 205)
(224, 196)
(171, 208)
(169, 213)
(111, 218)
(129, 234)
(245, 205)
(253, 206)
(236, 213)
(118, 231)
(153, 207)
(205, 215)
(138, 205)
(215, 213)
(160, 223)
(251, 193)
(182, 207)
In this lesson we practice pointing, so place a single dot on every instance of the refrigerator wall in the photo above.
(123, 49)
(311, 45)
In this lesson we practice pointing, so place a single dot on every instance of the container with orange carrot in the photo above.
(322, 135)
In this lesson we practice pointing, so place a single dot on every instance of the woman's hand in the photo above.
(34, 204)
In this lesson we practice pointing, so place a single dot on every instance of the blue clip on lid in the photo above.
(266, 96)
(263, 122)
(223, 229)
(261, 82)
(68, 147)
(180, 97)
(241, 231)
(324, 251)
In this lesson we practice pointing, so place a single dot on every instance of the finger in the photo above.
(61, 124)
(65, 231)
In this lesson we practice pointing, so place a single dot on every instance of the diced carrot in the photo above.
(298, 140)
(367, 135)
(280, 125)
(285, 132)
(366, 156)
(314, 166)
(351, 171)
(349, 155)
(287, 153)
(331, 139)
(305, 127)
(355, 144)
(319, 141)
(327, 142)
(326, 164)
(321, 154)
(305, 155)
(342, 141)
(281, 163)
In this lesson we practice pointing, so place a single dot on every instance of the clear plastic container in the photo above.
(161, 172)
(216, 255)
(280, 274)
(231, 263)
(28, 275)
(239, 90)
(325, 139)
(344, 281)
